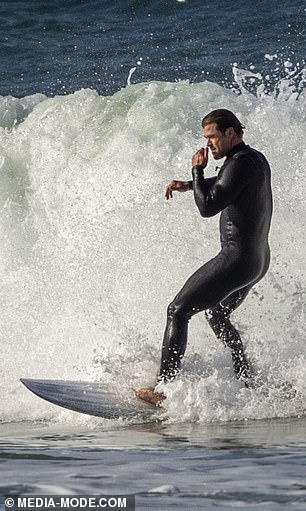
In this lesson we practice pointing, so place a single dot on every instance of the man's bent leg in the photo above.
(174, 342)
(218, 319)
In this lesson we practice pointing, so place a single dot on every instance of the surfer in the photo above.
(242, 193)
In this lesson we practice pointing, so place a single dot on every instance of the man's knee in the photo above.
(180, 311)
(215, 314)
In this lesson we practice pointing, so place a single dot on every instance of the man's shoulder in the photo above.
(246, 164)
(248, 154)
(241, 157)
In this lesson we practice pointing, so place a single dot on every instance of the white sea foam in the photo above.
(91, 253)
(14, 110)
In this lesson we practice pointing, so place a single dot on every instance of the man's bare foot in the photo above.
(149, 395)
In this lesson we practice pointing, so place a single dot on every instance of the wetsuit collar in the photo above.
(236, 149)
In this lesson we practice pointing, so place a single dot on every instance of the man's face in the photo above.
(219, 143)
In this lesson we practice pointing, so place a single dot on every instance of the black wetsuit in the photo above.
(242, 191)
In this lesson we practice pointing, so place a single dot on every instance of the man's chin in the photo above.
(216, 156)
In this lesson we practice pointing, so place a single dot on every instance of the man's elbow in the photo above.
(206, 212)
(207, 206)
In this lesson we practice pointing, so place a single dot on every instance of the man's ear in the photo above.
(230, 132)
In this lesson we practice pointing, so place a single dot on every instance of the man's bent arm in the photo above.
(211, 198)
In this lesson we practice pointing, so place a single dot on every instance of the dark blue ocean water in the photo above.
(60, 46)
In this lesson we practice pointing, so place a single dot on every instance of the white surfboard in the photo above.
(95, 399)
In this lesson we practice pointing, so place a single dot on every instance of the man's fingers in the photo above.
(168, 192)
(175, 186)
(200, 157)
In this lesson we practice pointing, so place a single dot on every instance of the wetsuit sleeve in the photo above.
(209, 181)
(213, 197)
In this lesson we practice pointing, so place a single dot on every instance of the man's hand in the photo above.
(176, 186)
(200, 158)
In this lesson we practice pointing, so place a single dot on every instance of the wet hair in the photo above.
(224, 119)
